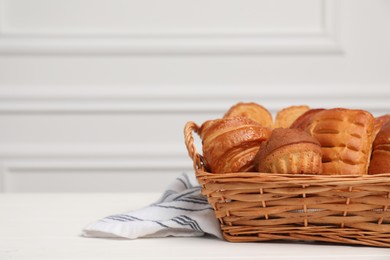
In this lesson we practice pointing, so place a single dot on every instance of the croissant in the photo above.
(345, 136)
(380, 158)
(230, 144)
(289, 151)
(252, 111)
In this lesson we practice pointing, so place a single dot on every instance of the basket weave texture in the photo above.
(263, 206)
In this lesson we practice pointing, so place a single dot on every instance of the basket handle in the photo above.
(197, 159)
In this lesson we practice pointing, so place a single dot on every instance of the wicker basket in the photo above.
(262, 206)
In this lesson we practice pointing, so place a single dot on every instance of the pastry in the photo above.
(230, 144)
(252, 111)
(380, 157)
(345, 136)
(305, 119)
(289, 151)
(379, 122)
(286, 116)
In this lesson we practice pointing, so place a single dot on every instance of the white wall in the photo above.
(94, 94)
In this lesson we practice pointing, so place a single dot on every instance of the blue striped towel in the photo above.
(181, 211)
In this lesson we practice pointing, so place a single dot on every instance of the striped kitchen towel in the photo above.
(181, 211)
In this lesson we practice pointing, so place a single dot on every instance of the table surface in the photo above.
(48, 226)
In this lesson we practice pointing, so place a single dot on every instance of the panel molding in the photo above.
(169, 153)
(2, 177)
(183, 99)
(91, 160)
(324, 41)
(102, 163)
(104, 156)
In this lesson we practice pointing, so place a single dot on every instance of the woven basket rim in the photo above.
(201, 173)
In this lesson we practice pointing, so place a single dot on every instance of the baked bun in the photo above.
(380, 157)
(305, 119)
(286, 116)
(289, 151)
(230, 144)
(345, 136)
(252, 111)
(382, 120)
(379, 122)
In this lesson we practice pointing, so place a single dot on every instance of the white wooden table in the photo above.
(48, 226)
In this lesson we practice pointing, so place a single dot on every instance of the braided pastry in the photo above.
(345, 136)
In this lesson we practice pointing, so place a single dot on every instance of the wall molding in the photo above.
(103, 156)
(196, 45)
(2, 178)
(183, 99)
(109, 163)
(162, 152)
(91, 160)
(324, 41)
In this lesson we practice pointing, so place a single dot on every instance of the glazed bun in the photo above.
(304, 120)
(379, 122)
(286, 116)
(380, 158)
(252, 111)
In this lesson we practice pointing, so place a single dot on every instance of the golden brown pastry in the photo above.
(289, 151)
(379, 122)
(305, 119)
(345, 136)
(252, 111)
(380, 157)
(286, 116)
(230, 144)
